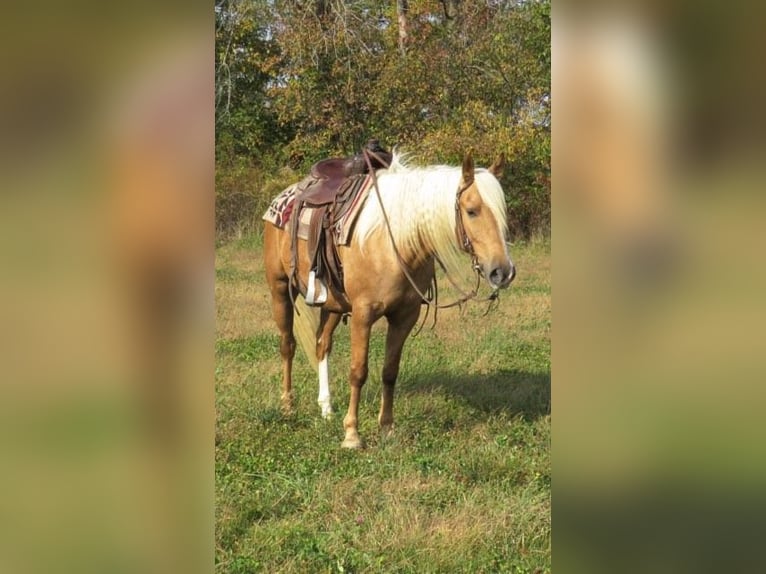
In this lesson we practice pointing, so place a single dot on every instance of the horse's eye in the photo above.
(472, 212)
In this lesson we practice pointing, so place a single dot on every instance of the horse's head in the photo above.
(481, 222)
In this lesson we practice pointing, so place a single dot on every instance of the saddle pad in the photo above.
(281, 208)
(304, 221)
(280, 212)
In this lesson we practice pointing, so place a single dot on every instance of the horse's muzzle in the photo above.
(500, 276)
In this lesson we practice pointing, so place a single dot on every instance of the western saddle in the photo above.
(329, 190)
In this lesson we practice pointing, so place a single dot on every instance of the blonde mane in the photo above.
(420, 204)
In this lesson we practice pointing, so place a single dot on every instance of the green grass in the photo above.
(462, 486)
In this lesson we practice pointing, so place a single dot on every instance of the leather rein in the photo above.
(431, 296)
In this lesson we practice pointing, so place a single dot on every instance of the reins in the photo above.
(431, 296)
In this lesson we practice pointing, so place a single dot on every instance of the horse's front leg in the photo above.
(361, 323)
(327, 324)
(399, 327)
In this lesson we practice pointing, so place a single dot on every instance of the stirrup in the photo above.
(313, 298)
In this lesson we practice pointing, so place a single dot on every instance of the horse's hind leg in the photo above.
(283, 315)
(399, 327)
(282, 310)
(327, 324)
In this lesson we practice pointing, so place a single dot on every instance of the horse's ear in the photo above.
(468, 168)
(498, 166)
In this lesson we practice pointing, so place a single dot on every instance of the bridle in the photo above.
(431, 296)
(462, 237)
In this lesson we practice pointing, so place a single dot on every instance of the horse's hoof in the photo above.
(327, 411)
(352, 442)
(287, 408)
(387, 431)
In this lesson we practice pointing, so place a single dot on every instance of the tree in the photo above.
(247, 61)
(300, 80)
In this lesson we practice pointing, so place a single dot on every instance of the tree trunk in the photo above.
(402, 8)
(320, 8)
(451, 12)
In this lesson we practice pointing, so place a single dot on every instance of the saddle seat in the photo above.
(326, 179)
(333, 168)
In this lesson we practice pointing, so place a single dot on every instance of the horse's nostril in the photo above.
(502, 275)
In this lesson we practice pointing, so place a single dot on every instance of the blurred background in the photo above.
(658, 243)
(106, 296)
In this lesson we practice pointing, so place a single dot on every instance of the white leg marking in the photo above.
(324, 387)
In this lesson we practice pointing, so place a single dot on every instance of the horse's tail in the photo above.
(305, 325)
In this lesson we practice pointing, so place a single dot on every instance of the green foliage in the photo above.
(300, 81)
(243, 192)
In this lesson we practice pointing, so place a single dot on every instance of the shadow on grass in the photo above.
(509, 392)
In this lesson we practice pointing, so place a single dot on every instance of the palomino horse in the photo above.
(429, 214)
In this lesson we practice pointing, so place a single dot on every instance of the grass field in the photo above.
(462, 486)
